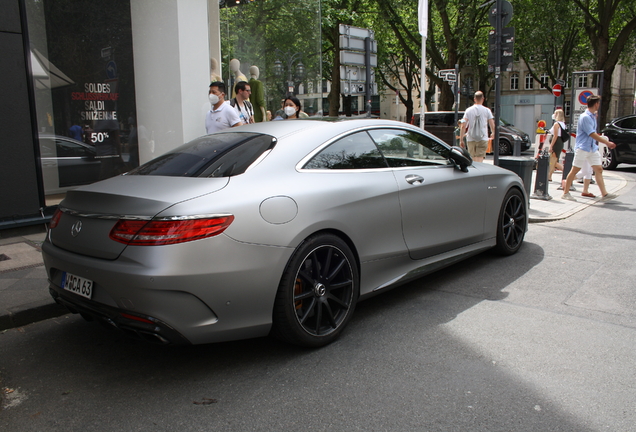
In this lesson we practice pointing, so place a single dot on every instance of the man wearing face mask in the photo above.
(221, 115)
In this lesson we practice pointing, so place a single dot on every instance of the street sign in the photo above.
(451, 77)
(355, 73)
(356, 88)
(356, 44)
(507, 49)
(356, 58)
(583, 95)
(506, 14)
(556, 90)
(111, 70)
(443, 72)
(355, 31)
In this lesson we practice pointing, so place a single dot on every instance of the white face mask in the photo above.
(290, 111)
(553, 117)
(214, 99)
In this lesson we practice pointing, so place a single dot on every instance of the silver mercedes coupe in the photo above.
(275, 228)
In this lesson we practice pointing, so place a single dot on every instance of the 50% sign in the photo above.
(98, 137)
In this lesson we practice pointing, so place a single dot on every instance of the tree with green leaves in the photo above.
(549, 38)
(609, 26)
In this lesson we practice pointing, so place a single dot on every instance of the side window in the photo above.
(356, 151)
(69, 149)
(405, 148)
(628, 123)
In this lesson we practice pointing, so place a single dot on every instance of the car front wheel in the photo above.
(317, 293)
(608, 159)
(511, 226)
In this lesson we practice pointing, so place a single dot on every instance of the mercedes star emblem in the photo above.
(76, 228)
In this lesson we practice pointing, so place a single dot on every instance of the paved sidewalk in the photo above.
(556, 208)
(24, 293)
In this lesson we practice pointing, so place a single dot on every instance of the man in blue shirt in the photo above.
(586, 149)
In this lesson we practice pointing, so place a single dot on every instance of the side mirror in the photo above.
(461, 158)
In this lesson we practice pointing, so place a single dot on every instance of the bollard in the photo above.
(567, 167)
(517, 148)
(541, 180)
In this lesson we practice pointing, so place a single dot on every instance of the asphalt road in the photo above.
(540, 341)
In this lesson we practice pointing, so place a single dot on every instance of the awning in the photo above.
(45, 74)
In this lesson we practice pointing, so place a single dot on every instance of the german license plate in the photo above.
(77, 285)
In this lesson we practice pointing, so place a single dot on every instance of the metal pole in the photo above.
(498, 31)
(455, 88)
(423, 83)
(367, 61)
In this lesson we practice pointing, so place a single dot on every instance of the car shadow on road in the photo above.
(395, 368)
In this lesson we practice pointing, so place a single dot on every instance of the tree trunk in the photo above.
(334, 93)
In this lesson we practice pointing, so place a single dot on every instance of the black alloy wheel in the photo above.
(504, 147)
(512, 223)
(318, 292)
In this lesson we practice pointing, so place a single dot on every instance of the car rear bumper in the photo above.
(135, 325)
(213, 290)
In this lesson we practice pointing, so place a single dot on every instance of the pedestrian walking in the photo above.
(586, 149)
(556, 144)
(478, 118)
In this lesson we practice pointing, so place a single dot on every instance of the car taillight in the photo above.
(165, 232)
(55, 219)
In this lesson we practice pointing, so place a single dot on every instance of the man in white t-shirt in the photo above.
(478, 118)
(221, 115)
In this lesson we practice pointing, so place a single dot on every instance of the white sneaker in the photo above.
(568, 197)
(608, 197)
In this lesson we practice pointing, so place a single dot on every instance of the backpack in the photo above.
(565, 135)
(474, 130)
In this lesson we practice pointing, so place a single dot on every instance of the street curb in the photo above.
(31, 313)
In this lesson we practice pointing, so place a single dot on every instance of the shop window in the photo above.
(83, 76)
(282, 39)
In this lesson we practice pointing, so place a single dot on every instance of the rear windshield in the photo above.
(217, 155)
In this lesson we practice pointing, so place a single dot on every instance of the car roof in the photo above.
(283, 128)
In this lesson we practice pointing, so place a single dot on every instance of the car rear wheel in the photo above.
(504, 147)
(608, 159)
(511, 226)
(317, 293)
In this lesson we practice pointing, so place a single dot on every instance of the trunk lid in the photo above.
(91, 212)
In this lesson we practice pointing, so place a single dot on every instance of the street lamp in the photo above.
(294, 69)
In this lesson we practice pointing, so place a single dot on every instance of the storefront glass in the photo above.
(282, 39)
(82, 64)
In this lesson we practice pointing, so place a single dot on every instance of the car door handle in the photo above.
(414, 178)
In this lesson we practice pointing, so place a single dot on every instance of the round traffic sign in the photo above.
(583, 97)
(556, 90)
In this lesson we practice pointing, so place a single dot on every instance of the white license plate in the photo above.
(77, 285)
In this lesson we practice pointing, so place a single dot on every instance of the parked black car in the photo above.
(622, 132)
(68, 163)
(442, 125)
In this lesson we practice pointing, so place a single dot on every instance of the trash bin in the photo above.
(520, 165)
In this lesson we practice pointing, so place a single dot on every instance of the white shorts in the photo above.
(580, 156)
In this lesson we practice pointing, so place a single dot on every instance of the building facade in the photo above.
(91, 89)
